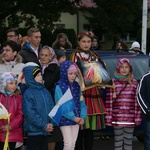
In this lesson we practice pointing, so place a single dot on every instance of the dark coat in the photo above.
(51, 76)
(28, 55)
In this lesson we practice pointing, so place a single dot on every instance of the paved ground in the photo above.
(108, 144)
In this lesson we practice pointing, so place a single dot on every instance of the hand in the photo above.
(77, 119)
(49, 128)
(5, 127)
(81, 122)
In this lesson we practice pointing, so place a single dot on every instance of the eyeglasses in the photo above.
(6, 50)
(10, 36)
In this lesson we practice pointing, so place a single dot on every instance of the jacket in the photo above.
(51, 76)
(62, 85)
(37, 103)
(15, 66)
(14, 106)
(123, 111)
(144, 96)
(28, 54)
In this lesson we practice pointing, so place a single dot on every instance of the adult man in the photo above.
(12, 35)
(144, 102)
(30, 50)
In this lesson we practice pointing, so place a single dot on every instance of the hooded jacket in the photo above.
(13, 104)
(37, 103)
(62, 85)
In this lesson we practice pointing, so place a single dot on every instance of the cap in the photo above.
(36, 71)
(135, 44)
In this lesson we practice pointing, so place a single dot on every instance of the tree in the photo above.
(116, 18)
(33, 13)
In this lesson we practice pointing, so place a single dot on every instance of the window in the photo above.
(59, 26)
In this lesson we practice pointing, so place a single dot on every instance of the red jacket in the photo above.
(14, 106)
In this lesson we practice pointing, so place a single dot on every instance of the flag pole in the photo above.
(144, 26)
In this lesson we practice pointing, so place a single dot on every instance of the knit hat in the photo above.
(60, 53)
(7, 77)
(36, 71)
(135, 44)
(72, 68)
(120, 62)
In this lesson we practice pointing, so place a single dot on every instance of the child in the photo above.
(123, 111)
(69, 123)
(13, 103)
(61, 56)
(37, 103)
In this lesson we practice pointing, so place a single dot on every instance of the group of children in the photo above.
(120, 111)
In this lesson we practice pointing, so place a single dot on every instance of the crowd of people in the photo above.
(34, 79)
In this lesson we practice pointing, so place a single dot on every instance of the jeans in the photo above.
(147, 135)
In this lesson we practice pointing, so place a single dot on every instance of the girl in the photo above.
(13, 103)
(93, 96)
(69, 123)
(123, 111)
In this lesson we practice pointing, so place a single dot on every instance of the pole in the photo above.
(144, 26)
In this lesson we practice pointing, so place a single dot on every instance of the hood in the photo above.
(27, 47)
(63, 70)
(17, 60)
(29, 78)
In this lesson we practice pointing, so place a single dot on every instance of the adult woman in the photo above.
(122, 47)
(51, 74)
(10, 60)
(93, 96)
(62, 42)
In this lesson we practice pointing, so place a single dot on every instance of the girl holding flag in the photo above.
(71, 119)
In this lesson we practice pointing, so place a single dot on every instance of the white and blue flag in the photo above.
(62, 107)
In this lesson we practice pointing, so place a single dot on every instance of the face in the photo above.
(12, 86)
(95, 43)
(8, 53)
(45, 56)
(35, 39)
(124, 69)
(62, 41)
(62, 59)
(72, 76)
(136, 48)
(85, 43)
(39, 78)
(11, 36)
(119, 46)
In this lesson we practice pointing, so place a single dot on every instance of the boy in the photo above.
(37, 103)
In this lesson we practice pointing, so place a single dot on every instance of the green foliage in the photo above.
(116, 18)
(39, 13)
(70, 33)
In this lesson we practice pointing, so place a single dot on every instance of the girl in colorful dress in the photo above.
(93, 96)
(123, 111)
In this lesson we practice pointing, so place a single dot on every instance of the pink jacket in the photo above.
(123, 111)
(14, 106)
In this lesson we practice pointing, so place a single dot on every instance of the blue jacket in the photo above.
(37, 103)
(62, 85)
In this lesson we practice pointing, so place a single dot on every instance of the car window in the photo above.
(139, 65)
